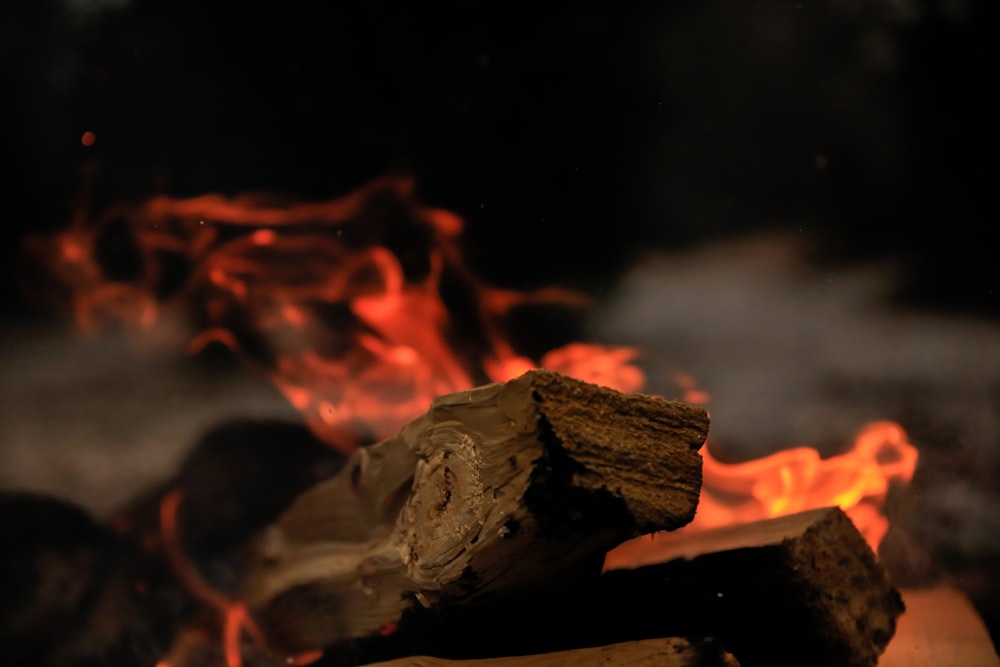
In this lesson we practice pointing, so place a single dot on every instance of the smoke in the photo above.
(94, 422)
(793, 354)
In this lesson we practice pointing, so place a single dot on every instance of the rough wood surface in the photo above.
(668, 652)
(511, 487)
(801, 589)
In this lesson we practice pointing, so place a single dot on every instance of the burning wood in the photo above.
(511, 487)
(484, 519)
(465, 535)
(477, 535)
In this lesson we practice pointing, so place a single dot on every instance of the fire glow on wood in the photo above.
(342, 306)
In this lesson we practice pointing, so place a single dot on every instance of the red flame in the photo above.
(350, 332)
(233, 613)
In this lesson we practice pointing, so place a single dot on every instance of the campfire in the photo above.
(455, 491)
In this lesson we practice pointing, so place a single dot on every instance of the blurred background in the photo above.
(580, 126)
(787, 200)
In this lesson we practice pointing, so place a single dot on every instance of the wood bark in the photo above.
(499, 491)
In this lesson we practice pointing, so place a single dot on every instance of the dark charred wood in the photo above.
(71, 594)
(800, 590)
(237, 479)
(804, 589)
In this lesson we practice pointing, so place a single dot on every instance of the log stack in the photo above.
(478, 535)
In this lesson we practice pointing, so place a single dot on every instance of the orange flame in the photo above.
(351, 324)
(355, 333)
(795, 480)
(790, 481)
(341, 304)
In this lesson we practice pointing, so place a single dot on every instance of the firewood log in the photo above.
(510, 487)
(798, 590)
(668, 652)
(940, 627)
(804, 589)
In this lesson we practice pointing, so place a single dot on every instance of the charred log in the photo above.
(800, 589)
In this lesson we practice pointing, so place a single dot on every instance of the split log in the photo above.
(669, 652)
(507, 488)
(804, 589)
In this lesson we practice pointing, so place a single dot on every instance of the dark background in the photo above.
(571, 136)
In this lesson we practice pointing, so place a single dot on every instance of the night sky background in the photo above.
(571, 136)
